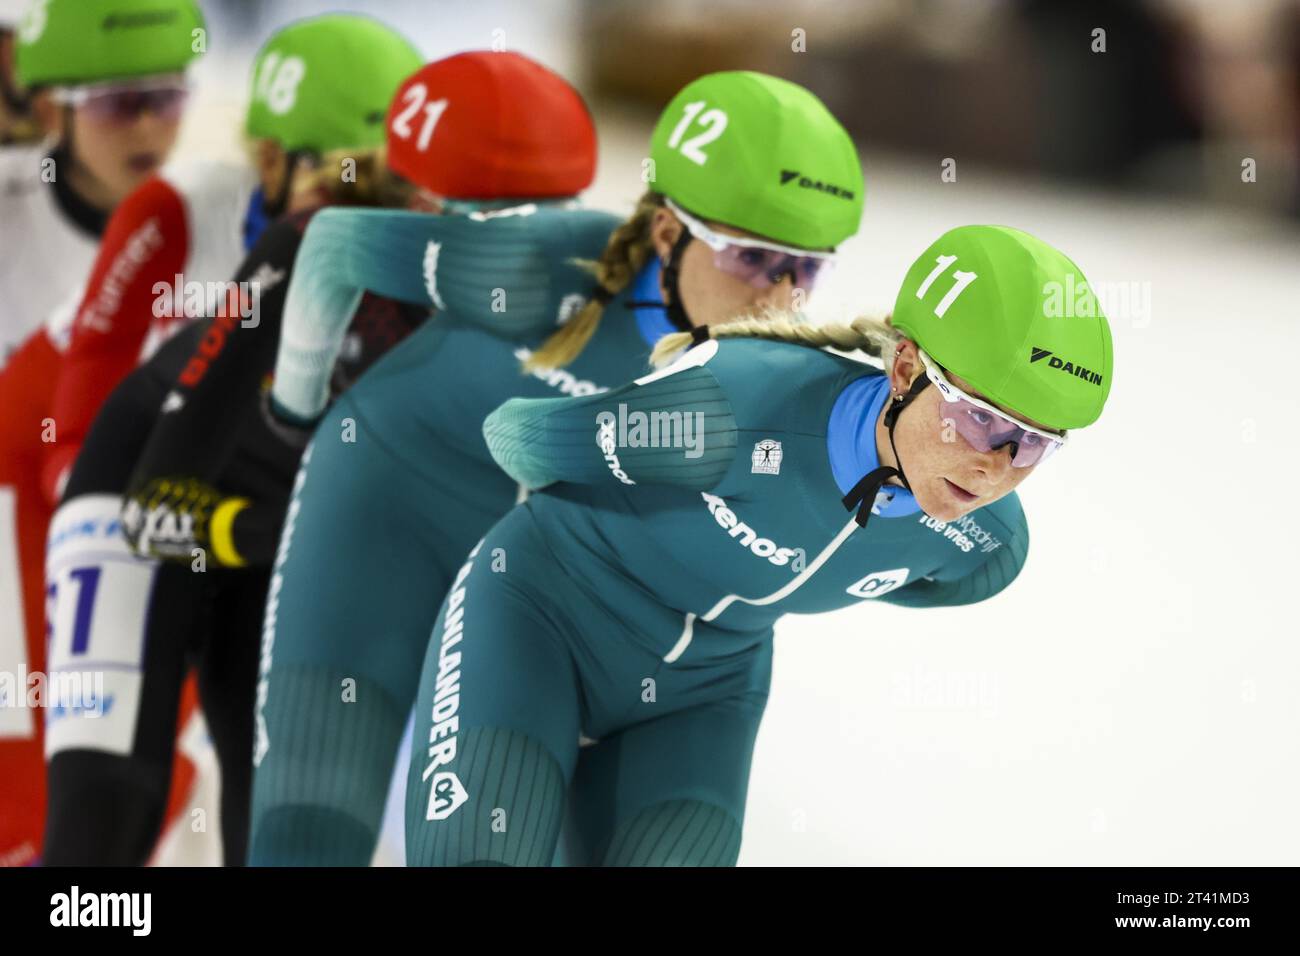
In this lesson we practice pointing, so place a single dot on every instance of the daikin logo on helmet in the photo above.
(793, 175)
(1055, 361)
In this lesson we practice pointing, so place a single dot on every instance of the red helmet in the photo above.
(485, 125)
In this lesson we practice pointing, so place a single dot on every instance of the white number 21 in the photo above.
(963, 280)
(415, 97)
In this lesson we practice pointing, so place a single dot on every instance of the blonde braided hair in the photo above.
(628, 249)
(876, 337)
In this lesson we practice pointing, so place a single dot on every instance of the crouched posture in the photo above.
(632, 601)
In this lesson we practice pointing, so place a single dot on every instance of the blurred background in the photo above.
(1131, 698)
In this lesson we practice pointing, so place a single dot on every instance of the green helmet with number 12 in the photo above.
(1015, 318)
(761, 154)
(325, 83)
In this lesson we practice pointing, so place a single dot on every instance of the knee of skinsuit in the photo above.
(323, 753)
(675, 833)
(498, 802)
(103, 809)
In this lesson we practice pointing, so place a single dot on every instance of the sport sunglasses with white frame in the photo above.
(977, 422)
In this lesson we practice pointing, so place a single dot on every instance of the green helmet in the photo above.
(69, 42)
(762, 154)
(1013, 317)
(324, 83)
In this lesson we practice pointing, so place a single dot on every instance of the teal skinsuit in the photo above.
(398, 485)
(633, 601)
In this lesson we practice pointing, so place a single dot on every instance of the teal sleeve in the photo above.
(972, 586)
(507, 271)
(674, 430)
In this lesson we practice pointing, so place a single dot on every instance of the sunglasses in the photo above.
(120, 104)
(758, 262)
(986, 428)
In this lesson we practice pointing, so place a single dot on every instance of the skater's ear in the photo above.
(665, 229)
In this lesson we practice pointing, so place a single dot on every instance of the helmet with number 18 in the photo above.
(325, 83)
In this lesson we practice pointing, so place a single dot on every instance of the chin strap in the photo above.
(673, 306)
(863, 495)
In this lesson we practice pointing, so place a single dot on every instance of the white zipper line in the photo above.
(688, 629)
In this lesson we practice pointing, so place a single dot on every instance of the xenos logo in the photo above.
(1055, 361)
(743, 533)
(793, 175)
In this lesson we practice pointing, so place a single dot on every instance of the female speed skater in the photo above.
(633, 599)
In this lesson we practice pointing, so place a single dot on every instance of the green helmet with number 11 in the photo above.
(1015, 318)
(325, 83)
(761, 154)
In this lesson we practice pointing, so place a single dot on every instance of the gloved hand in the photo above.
(170, 517)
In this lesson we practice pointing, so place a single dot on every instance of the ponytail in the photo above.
(875, 337)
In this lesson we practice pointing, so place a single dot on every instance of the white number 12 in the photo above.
(714, 119)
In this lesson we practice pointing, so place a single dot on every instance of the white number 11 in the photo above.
(963, 280)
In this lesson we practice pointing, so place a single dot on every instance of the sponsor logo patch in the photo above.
(448, 794)
(806, 182)
(766, 459)
(878, 582)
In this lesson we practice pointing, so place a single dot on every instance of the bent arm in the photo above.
(674, 430)
(494, 270)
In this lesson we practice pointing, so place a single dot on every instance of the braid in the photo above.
(874, 336)
(627, 250)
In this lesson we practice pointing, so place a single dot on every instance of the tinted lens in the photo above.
(123, 106)
(985, 431)
(763, 267)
